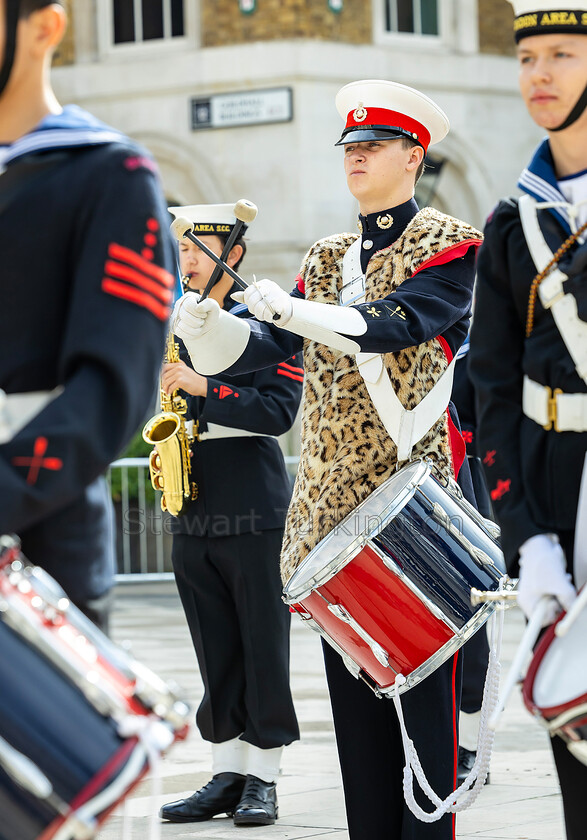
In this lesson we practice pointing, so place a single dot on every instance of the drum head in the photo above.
(348, 537)
(561, 676)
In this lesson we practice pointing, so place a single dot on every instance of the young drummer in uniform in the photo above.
(85, 202)
(226, 554)
(414, 270)
(528, 357)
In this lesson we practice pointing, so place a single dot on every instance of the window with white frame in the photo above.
(417, 17)
(135, 21)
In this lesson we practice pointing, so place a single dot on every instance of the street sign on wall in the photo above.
(252, 107)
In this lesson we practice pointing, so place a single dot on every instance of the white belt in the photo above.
(404, 426)
(17, 410)
(566, 412)
(217, 432)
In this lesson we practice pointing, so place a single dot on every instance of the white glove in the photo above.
(214, 339)
(192, 319)
(265, 299)
(543, 572)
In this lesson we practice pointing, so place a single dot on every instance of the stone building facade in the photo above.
(235, 98)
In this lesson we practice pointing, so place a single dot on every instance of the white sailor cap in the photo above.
(543, 17)
(208, 219)
(375, 109)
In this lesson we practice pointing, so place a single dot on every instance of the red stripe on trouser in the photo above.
(455, 660)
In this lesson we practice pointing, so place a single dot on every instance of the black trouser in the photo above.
(372, 757)
(475, 656)
(572, 774)
(230, 589)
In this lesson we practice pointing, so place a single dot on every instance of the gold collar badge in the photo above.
(384, 222)
(360, 113)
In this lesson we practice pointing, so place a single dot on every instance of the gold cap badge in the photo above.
(360, 113)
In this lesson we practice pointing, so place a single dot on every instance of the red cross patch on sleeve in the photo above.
(37, 461)
(500, 489)
(133, 277)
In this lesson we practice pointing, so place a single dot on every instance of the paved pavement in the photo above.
(521, 803)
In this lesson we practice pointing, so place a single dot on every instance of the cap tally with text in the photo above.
(375, 109)
(543, 17)
(208, 219)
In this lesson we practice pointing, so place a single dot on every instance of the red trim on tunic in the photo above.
(453, 252)
(300, 284)
(458, 448)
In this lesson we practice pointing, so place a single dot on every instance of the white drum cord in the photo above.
(469, 790)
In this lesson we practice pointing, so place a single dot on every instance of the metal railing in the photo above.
(143, 530)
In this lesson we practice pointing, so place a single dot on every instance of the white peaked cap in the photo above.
(376, 108)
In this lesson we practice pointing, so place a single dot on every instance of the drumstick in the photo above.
(245, 212)
(527, 642)
(578, 604)
(182, 227)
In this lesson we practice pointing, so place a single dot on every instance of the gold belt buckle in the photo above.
(551, 408)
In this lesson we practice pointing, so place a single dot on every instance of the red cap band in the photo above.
(382, 117)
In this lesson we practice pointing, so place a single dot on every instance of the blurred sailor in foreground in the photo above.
(86, 293)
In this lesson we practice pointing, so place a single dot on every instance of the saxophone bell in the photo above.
(169, 462)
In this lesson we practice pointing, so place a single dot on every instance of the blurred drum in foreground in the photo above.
(555, 686)
(81, 721)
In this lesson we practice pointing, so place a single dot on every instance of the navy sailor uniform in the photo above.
(87, 284)
(226, 553)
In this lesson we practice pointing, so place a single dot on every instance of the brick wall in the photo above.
(65, 54)
(223, 23)
(496, 31)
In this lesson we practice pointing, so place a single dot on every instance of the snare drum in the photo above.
(555, 686)
(80, 720)
(390, 586)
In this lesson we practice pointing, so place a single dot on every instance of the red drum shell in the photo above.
(403, 585)
(555, 686)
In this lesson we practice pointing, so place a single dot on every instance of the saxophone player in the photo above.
(226, 548)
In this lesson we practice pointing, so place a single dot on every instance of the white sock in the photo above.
(264, 764)
(230, 757)
(469, 730)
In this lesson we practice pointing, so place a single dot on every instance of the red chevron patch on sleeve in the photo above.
(130, 276)
(292, 372)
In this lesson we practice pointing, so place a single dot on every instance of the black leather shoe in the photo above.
(258, 804)
(221, 795)
(465, 765)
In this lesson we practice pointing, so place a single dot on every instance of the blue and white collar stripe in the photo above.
(45, 140)
(539, 181)
(68, 129)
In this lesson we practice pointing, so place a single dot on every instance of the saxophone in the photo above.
(169, 462)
